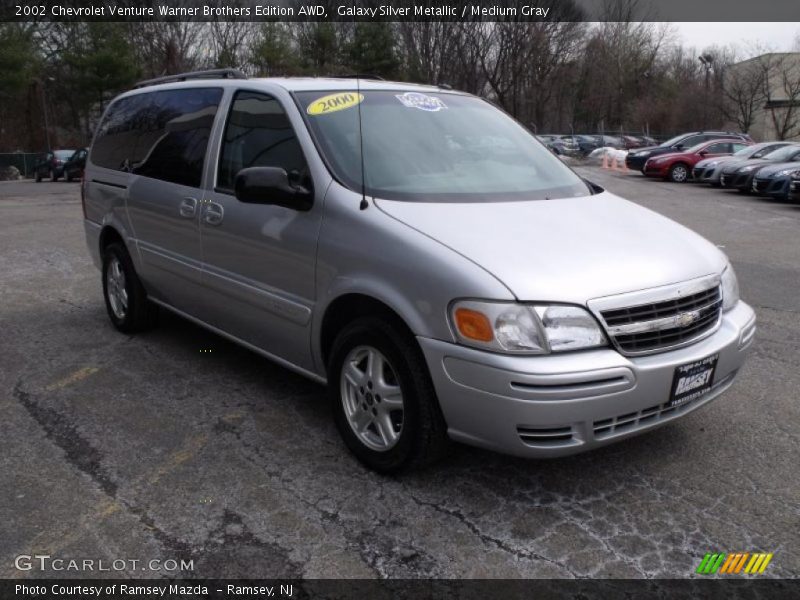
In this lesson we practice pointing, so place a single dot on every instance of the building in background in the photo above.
(761, 96)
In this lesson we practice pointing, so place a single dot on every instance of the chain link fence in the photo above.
(23, 161)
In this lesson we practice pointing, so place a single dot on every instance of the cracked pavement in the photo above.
(178, 444)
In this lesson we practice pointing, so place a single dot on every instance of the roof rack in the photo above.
(210, 74)
(359, 76)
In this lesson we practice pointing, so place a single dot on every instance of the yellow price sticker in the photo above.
(334, 103)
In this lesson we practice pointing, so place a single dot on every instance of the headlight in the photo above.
(747, 169)
(730, 288)
(524, 329)
(785, 172)
(712, 164)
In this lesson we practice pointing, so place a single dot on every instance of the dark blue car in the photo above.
(776, 180)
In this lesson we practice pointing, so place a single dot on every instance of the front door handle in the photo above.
(213, 213)
(188, 207)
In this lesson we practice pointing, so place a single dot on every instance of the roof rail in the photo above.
(210, 74)
(360, 76)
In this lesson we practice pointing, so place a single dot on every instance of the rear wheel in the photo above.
(126, 300)
(382, 397)
(53, 175)
(678, 173)
(67, 176)
(38, 176)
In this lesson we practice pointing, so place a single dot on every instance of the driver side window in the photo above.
(258, 134)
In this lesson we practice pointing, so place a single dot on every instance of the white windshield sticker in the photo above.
(421, 101)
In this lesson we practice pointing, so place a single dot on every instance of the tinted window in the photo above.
(737, 147)
(258, 134)
(163, 135)
(694, 140)
(721, 148)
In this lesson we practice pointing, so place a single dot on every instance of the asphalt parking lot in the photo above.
(177, 444)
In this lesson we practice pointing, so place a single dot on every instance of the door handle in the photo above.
(213, 213)
(188, 207)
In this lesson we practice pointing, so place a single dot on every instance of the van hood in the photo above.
(565, 250)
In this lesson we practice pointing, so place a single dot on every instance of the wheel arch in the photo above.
(109, 235)
(347, 307)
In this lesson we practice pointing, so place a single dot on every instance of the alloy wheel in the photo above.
(371, 398)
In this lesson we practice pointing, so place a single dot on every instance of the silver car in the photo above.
(709, 170)
(417, 250)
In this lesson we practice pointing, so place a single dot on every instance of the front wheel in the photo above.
(67, 176)
(679, 173)
(126, 300)
(382, 397)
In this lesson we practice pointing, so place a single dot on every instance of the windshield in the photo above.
(64, 154)
(696, 148)
(784, 153)
(433, 147)
(673, 141)
(749, 151)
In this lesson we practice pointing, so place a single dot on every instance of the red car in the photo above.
(677, 166)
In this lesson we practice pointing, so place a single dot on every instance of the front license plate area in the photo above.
(693, 380)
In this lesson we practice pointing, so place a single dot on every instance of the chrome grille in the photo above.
(651, 327)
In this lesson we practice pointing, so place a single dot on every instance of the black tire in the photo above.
(38, 176)
(423, 436)
(140, 314)
(67, 176)
(53, 175)
(679, 173)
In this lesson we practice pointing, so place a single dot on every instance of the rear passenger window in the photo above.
(163, 135)
(258, 134)
(720, 148)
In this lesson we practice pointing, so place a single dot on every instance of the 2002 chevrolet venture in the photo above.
(416, 249)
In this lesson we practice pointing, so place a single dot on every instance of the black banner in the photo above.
(538, 589)
(400, 10)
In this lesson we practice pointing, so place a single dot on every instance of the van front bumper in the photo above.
(560, 404)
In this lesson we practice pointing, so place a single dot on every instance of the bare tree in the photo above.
(783, 95)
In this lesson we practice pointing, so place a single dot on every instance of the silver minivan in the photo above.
(416, 249)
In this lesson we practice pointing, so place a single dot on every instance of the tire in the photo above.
(131, 311)
(67, 176)
(38, 176)
(678, 173)
(418, 424)
(53, 176)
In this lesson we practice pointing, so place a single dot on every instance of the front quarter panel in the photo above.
(371, 253)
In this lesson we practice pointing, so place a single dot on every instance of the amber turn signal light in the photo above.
(473, 325)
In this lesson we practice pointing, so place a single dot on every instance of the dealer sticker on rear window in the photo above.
(421, 101)
(334, 103)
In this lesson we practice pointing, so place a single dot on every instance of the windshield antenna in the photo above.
(364, 204)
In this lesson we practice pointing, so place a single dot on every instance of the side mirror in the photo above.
(678, 146)
(703, 152)
(270, 185)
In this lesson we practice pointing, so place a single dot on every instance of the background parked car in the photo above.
(775, 179)
(637, 158)
(740, 176)
(677, 166)
(631, 142)
(51, 164)
(558, 145)
(73, 168)
(709, 170)
(794, 188)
